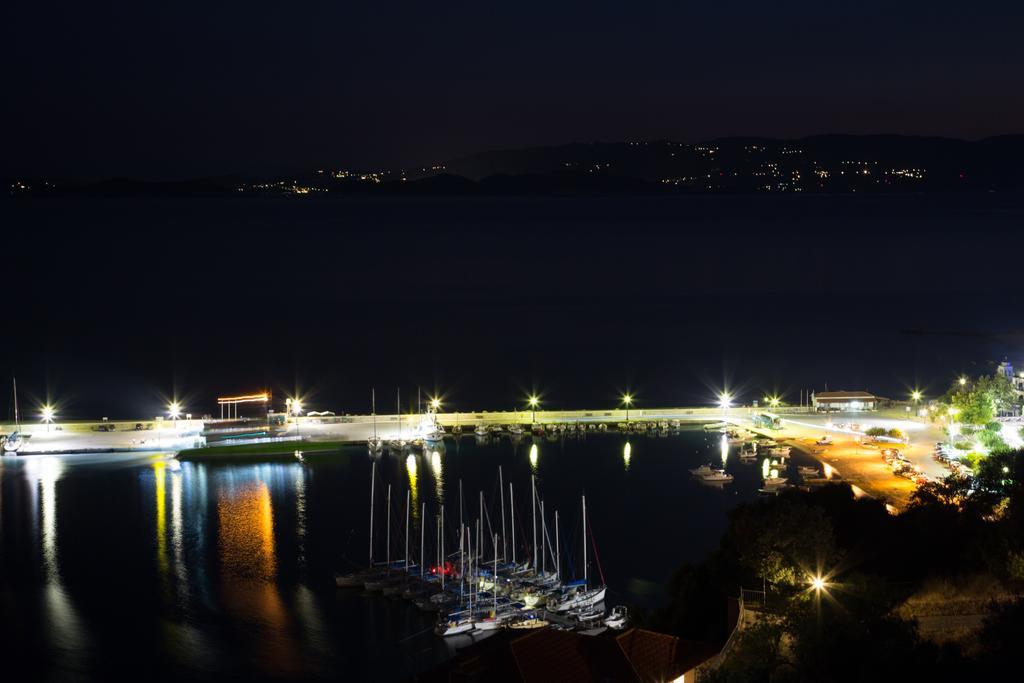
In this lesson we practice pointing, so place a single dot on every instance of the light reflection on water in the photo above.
(205, 568)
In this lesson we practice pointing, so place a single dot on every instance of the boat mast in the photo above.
(533, 501)
(543, 535)
(398, 407)
(389, 529)
(512, 510)
(373, 411)
(423, 536)
(480, 527)
(373, 481)
(504, 539)
(407, 531)
(17, 420)
(494, 589)
(558, 551)
(584, 540)
(440, 534)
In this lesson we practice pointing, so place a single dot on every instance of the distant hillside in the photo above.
(836, 164)
(821, 163)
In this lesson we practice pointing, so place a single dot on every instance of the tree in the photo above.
(781, 541)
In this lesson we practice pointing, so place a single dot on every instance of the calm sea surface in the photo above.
(147, 567)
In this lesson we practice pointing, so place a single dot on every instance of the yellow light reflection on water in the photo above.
(159, 477)
(724, 446)
(410, 470)
(246, 531)
(436, 468)
(533, 458)
(627, 452)
(765, 467)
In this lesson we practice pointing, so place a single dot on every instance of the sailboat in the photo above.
(579, 593)
(398, 444)
(14, 441)
(374, 443)
(357, 578)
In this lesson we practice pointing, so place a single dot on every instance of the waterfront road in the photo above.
(853, 457)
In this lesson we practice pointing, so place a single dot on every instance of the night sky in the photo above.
(115, 304)
(163, 90)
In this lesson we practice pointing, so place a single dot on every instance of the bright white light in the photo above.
(47, 413)
(174, 410)
(818, 583)
(724, 400)
(1011, 435)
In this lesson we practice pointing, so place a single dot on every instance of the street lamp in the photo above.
(435, 403)
(818, 583)
(47, 415)
(963, 381)
(724, 400)
(174, 410)
(294, 406)
(627, 400)
(773, 401)
(533, 402)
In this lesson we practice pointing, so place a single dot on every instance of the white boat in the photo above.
(774, 482)
(515, 430)
(576, 597)
(481, 430)
(436, 434)
(618, 618)
(825, 440)
(781, 451)
(809, 472)
(579, 593)
(14, 441)
(455, 623)
(710, 474)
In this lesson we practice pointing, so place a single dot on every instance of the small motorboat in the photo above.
(618, 618)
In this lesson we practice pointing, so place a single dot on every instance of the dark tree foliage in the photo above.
(871, 561)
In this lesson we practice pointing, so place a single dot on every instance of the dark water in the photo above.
(132, 565)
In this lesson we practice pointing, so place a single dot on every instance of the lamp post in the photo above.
(47, 415)
(174, 410)
(627, 400)
(724, 402)
(533, 402)
(294, 406)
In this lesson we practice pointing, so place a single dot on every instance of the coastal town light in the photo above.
(724, 400)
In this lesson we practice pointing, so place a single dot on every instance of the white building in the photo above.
(843, 401)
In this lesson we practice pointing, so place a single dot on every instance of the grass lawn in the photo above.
(282, 449)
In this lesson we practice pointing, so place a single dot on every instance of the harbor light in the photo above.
(435, 404)
(47, 415)
(533, 401)
(724, 400)
(627, 400)
(915, 395)
(174, 410)
(773, 401)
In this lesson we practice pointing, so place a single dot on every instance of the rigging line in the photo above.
(597, 558)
